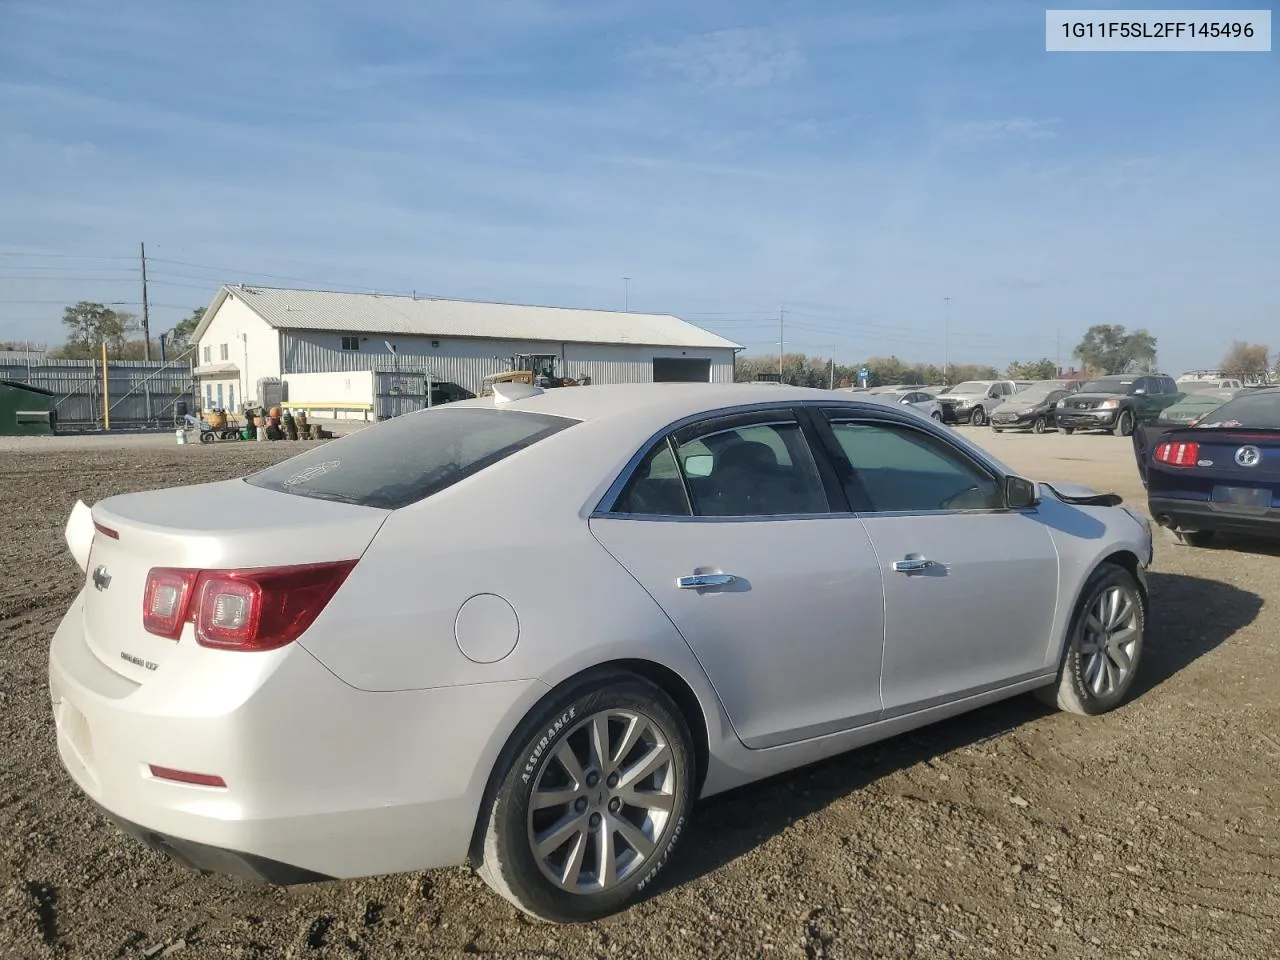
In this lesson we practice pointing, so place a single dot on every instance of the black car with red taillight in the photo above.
(1221, 475)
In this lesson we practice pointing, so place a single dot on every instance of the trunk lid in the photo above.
(228, 524)
(1236, 468)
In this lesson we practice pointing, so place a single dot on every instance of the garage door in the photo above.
(681, 370)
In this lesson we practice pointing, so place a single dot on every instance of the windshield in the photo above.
(1109, 385)
(1255, 411)
(970, 386)
(401, 461)
(1033, 395)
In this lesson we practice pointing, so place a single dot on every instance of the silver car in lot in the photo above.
(528, 631)
(918, 398)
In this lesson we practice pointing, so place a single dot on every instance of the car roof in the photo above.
(667, 401)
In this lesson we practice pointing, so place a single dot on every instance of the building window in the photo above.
(208, 354)
(225, 353)
(350, 343)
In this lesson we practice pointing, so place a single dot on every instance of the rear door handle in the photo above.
(697, 580)
(911, 565)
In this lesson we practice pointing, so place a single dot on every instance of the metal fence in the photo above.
(139, 393)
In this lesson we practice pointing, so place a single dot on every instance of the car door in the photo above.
(970, 586)
(727, 524)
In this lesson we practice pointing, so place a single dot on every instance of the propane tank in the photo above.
(180, 435)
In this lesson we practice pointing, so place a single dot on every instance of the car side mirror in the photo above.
(698, 465)
(1020, 493)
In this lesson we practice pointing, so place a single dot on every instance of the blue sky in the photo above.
(856, 161)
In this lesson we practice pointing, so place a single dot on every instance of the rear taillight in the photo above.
(255, 609)
(1178, 454)
(166, 599)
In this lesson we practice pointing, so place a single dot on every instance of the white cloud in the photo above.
(732, 59)
(974, 132)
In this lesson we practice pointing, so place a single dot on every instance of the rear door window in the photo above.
(401, 461)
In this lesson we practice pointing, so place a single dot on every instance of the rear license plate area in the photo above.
(1242, 499)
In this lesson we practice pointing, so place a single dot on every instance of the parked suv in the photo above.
(971, 401)
(1117, 404)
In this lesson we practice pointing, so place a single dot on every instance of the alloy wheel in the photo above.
(600, 806)
(1111, 636)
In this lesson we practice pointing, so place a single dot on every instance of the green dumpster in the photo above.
(26, 410)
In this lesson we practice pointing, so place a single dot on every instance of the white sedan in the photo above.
(528, 631)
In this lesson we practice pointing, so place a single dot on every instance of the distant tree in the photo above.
(805, 371)
(180, 336)
(1109, 349)
(1245, 361)
(1043, 369)
(90, 325)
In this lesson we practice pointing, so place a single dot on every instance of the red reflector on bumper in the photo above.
(185, 776)
(106, 531)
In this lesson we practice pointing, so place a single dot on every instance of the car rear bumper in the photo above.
(322, 780)
(207, 859)
(1206, 515)
(1086, 419)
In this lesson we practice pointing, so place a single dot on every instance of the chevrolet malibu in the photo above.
(528, 631)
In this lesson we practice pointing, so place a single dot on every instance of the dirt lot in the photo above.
(1011, 832)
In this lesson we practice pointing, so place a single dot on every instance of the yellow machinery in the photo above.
(536, 369)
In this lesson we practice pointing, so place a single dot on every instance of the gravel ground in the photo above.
(1010, 832)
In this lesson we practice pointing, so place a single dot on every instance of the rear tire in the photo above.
(1104, 645)
(592, 822)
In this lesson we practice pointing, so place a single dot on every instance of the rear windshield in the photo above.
(1256, 411)
(406, 459)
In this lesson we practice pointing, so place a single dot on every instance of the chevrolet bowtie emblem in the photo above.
(101, 579)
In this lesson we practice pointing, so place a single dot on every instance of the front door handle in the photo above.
(697, 580)
(911, 564)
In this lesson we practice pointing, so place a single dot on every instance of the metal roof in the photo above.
(378, 314)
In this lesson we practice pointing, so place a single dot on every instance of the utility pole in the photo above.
(946, 342)
(1058, 347)
(146, 318)
(782, 312)
(626, 294)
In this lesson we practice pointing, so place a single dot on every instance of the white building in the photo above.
(249, 333)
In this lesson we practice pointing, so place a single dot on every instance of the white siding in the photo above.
(634, 364)
(252, 345)
(344, 395)
(466, 361)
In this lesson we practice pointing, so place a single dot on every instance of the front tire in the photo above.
(978, 417)
(1040, 425)
(592, 802)
(1068, 430)
(1103, 647)
(1124, 424)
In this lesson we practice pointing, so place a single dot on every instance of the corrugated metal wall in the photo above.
(140, 391)
(467, 362)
